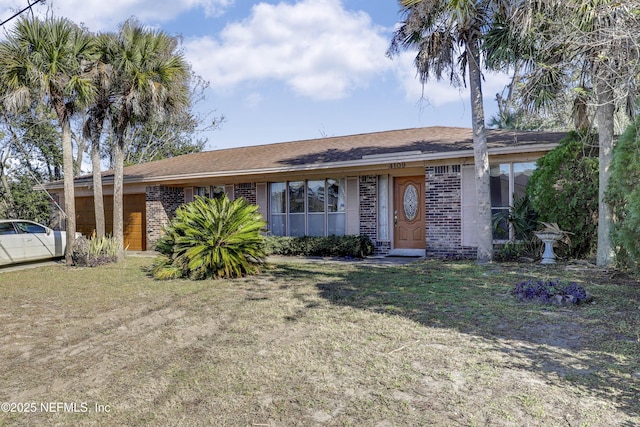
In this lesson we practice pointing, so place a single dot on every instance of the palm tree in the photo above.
(448, 37)
(49, 60)
(595, 40)
(102, 74)
(150, 79)
(611, 32)
(537, 97)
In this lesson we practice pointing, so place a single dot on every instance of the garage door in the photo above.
(134, 219)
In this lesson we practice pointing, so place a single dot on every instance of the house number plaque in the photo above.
(399, 165)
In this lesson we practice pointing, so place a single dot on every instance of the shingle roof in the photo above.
(429, 140)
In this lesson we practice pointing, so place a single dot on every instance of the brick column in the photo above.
(161, 205)
(247, 191)
(444, 211)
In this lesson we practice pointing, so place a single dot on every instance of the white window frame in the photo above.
(511, 194)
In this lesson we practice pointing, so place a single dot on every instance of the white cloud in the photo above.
(441, 92)
(100, 15)
(316, 47)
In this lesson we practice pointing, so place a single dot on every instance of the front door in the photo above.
(408, 213)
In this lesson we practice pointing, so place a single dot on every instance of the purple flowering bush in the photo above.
(555, 292)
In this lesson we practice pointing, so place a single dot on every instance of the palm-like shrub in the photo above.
(212, 238)
(524, 220)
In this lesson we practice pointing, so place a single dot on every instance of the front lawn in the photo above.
(428, 343)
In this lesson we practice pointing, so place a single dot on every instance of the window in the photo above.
(296, 208)
(212, 191)
(28, 227)
(508, 182)
(307, 208)
(278, 204)
(315, 208)
(500, 200)
(7, 228)
(336, 207)
(383, 208)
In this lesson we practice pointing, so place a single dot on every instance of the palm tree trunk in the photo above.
(69, 189)
(98, 201)
(118, 214)
(81, 145)
(604, 117)
(6, 201)
(481, 158)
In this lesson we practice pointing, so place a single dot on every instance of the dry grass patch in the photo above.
(429, 343)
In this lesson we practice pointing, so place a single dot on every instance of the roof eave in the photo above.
(378, 160)
(369, 160)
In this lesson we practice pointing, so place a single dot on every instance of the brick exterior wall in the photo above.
(382, 248)
(248, 191)
(162, 203)
(442, 198)
(443, 188)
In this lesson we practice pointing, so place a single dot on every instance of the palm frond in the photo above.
(215, 238)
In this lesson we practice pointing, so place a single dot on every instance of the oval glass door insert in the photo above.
(410, 202)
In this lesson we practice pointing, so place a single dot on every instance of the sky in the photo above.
(287, 70)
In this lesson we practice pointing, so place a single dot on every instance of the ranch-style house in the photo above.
(411, 191)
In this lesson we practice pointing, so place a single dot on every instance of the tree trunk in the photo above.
(604, 116)
(81, 146)
(118, 182)
(98, 201)
(6, 202)
(69, 189)
(481, 158)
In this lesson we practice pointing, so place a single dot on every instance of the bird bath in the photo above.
(549, 238)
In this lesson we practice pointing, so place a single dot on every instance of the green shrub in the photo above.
(94, 251)
(212, 238)
(564, 190)
(514, 251)
(103, 250)
(623, 196)
(339, 246)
